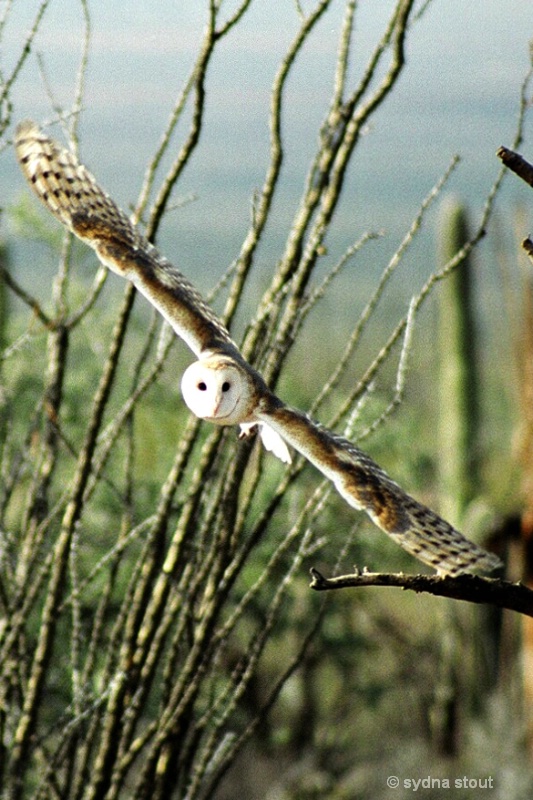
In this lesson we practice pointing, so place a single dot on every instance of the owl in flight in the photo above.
(221, 386)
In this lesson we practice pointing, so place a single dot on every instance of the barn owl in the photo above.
(71, 193)
(221, 386)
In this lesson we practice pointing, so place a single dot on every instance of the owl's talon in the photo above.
(247, 429)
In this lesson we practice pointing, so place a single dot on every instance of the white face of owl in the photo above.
(216, 390)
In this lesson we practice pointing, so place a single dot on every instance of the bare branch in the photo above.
(517, 164)
(471, 588)
(25, 51)
(153, 606)
(26, 297)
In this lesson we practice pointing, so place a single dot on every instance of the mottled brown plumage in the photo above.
(366, 486)
(222, 387)
(71, 193)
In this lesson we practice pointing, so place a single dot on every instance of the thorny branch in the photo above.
(470, 588)
(155, 558)
(518, 164)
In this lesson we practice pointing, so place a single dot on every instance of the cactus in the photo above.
(459, 407)
(458, 424)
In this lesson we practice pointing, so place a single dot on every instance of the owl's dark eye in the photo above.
(226, 386)
(202, 386)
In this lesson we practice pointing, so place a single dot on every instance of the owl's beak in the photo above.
(216, 407)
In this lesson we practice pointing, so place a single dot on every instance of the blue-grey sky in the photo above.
(459, 94)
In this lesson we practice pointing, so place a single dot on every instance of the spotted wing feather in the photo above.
(71, 193)
(73, 196)
(366, 486)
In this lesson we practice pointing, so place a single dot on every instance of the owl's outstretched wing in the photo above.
(70, 192)
(365, 486)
